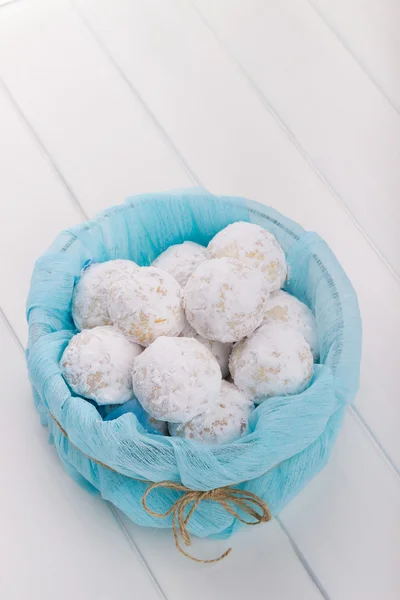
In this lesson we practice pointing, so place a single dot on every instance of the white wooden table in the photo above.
(292, 103)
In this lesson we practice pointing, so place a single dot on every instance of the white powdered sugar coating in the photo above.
(223, 423)
(282, 307)
(181, 260)
(147, 305)
(275, 361)
(219, 350)
(90, 297)
(97, 364)
(224, 299)
(253, 245)
(176, 379)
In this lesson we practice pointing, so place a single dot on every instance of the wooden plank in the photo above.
(369, 30)
(55, 538)
(347, 521)
(335, 113)
(35, 207)
(97, 131)
(235, 146)
(262, 564)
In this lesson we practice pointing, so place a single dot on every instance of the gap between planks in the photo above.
(348, 49)
(278, 119)
(163, 133)
(50, 160)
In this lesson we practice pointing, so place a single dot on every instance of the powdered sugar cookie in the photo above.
(224, 299)
(219, 350)
(97, 364)
(90, 297)
(181, 260)
(176, 379)
(282, 307)
(275, 360)
(222, 423)
(253, 245)
(146, 305)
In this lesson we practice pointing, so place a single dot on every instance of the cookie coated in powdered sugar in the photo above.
(90, 296)
(147, 305)
(224, 299)
(223, 423)
(219, 350)
(176, 379)
(274, 361)
(97, 364)
(181, 260)
(255, 246)
(282, 307)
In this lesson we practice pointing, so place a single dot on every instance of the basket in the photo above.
(291, 438)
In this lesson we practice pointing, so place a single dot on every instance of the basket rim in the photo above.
(61, 409)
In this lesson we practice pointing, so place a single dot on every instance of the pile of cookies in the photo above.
(192, 343)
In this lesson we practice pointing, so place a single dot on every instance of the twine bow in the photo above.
(245, 501)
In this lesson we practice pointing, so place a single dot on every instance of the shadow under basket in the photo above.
(161, 481)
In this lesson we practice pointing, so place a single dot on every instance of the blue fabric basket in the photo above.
(291, 437)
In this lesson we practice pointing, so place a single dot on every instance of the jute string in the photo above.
(235, 501)
(245, 501)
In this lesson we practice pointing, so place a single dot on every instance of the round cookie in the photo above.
(275, 361)
(90, 296)
(219, 350)
(176, 379)
(181, 260)
(253, 245)
(224, 299)
(223, 423)
(146, 305)
(97, 364)
(282, 307)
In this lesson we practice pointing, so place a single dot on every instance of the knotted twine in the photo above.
(184, 507)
